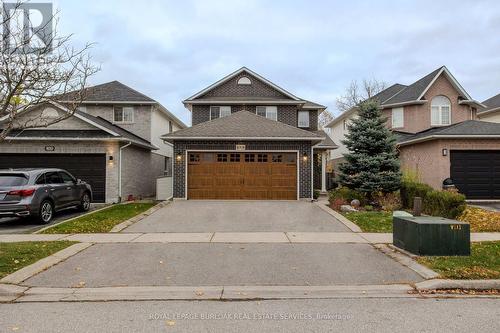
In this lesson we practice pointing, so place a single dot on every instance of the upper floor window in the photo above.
(397, 118)
(244, 81)
(303, 119)
(219, 111)
(440, 111)
(123, 114)
(270, 112)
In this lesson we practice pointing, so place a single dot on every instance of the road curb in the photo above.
(26, 272)
(407, 261)
(125, 224)
(341, 218)
(437, 284)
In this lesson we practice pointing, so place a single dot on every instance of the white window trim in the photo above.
(123, 110)
(308, 119)
(220, 107)
(440, 114)
(402, 110)
(267, 111)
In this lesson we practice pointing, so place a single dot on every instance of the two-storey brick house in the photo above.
(250, 139)
(439, 136)
(112, 141)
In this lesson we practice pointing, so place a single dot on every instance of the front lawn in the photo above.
(101, 221)
(481, 220)
(484, 263)
(14, 256)
(371, 221)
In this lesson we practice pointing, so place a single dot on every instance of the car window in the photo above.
(66, 178)
(53, 178)
(40, 180)
(13, 180)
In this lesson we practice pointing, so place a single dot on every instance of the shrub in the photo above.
(368, 208)
(316, 194)
(388, 201)
(337, 202)
(444, 203)
(448, 204)
(347, 194)
(411, 189)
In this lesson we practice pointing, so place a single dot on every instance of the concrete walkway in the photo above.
(226, 237)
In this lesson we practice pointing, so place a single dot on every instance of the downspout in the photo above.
(120, 171)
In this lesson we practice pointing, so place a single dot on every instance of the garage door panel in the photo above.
(476, 173)
(256, 176)
(90, 168)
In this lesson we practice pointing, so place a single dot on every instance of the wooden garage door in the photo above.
(476, 173)
(253, 176)
(90, 168)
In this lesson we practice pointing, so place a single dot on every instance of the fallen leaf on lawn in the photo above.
(199, 293)
(170, 322)
(16, 261)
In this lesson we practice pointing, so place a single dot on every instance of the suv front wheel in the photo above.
(84, 202)
(46, 212)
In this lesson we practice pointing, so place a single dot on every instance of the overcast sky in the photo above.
(170, 50)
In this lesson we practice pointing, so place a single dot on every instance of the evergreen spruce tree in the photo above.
(372, 164)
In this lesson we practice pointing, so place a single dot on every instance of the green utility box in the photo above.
(431, 236)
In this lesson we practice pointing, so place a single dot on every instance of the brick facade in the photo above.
(427, 160)
(417, 117)
(303, 147)
(231, 88)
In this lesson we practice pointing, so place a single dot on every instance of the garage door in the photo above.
(90, 168)
(254, 176)
(476, 173)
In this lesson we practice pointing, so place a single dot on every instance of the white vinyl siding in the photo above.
(219, 112)
(440, 111)
(303, 119)
(397, 117)
(123, 114)
(270, 112)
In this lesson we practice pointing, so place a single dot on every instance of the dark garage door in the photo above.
(90, 168)
(476, 173)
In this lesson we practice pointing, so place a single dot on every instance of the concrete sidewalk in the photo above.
(226, 237)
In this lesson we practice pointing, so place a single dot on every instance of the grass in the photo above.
(101, 221)
(484, 263)
(481, 220)
(14, 256)
(371, 221)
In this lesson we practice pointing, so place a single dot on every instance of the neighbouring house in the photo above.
(112, 141)
(250, 139)
(491, 111)
(439, 134)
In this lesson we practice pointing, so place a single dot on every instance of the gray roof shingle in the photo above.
(465, 128)
(492, 103)
(113, 91)
(327, 142)
(414, 90)
(243, 124)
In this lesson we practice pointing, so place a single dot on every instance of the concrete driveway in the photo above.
(205, 264)
(239, 216)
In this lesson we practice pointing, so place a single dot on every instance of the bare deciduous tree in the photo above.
(324, 118)
(34, 72)
(356, 93)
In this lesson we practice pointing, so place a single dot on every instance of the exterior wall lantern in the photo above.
(304, 157)
(444, 152)
(178, 157)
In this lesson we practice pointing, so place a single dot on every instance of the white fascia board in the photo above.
(454, 82)
(472, 102)
(243, 138)
(434, 137)
(482, 113)
(343, 115)
(41, 138)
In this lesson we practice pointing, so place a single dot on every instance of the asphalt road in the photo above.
(341, 315)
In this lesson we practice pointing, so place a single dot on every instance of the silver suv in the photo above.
(40, 193)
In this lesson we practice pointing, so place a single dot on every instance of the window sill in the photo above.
(123, 122)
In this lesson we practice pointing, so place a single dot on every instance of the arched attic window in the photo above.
(440, 111)
(244, 81)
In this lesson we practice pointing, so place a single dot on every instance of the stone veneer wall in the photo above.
(305, 168)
